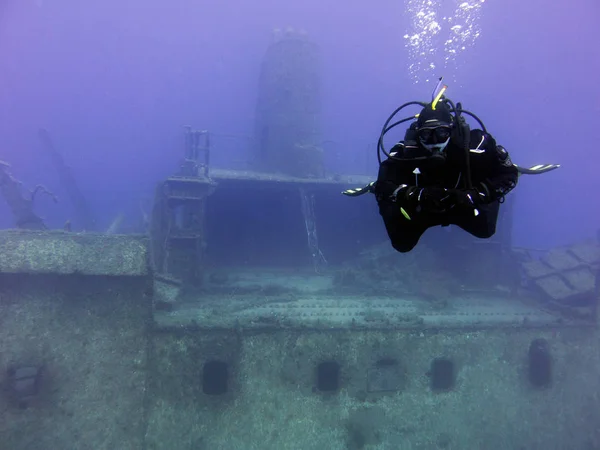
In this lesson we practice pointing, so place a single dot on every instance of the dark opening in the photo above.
(264, 227)
(328, 376)
(23, 384)
(442, 374)
(386, 362)
(215, 377)
(540, 363)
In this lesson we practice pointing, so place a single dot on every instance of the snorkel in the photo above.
(461, 131)
(435, 98)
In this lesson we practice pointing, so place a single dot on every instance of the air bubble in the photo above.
(441, 31)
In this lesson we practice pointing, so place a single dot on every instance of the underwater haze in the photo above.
(263, 298)
(115, 82)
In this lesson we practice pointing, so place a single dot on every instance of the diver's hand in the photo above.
(430, 200)
(464, 200)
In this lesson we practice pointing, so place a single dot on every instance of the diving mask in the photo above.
(434, 138)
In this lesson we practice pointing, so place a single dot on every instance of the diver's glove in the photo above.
(466, 200)
(430, 200)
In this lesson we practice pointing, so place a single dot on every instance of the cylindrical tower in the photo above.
(288, 114)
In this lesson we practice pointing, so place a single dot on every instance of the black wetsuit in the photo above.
(493, 175)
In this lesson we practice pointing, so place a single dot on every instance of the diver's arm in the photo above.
(502, 178)
(389, 180)
(498, 174)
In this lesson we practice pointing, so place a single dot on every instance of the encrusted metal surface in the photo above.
(344, 312)
(65, 253)
(565, 274)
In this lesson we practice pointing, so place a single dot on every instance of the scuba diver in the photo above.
(442, 173)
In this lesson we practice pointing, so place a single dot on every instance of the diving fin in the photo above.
(538, 169)
(356, 192)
